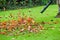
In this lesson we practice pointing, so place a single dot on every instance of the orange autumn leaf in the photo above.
(4, 23)
(21, 20)
(3, 33)
(3, 26)
(29, 19)
(13, 22)
(9, 28)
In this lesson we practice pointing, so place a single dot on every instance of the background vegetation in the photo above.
(15, 4)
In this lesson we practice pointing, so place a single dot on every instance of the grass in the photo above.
(47, 16)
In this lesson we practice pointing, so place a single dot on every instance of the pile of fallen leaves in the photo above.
(22, 24)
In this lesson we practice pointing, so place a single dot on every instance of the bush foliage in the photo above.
(13, 4)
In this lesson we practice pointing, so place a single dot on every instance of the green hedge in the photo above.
(12, 4)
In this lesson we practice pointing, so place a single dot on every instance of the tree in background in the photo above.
(58, 15)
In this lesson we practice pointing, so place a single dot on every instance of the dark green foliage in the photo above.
(14, 4)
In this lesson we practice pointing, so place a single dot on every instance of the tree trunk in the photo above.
(58, 15)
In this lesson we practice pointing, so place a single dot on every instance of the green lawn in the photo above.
(47, 16)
